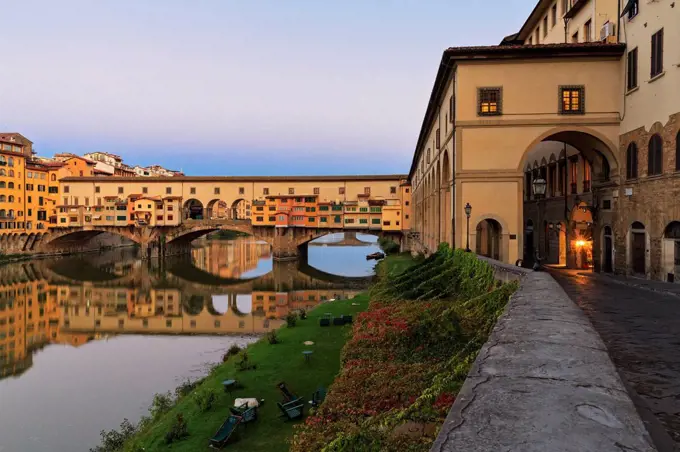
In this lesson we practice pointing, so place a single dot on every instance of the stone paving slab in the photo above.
(543, 382)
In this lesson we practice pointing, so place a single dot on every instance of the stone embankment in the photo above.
(543, 382)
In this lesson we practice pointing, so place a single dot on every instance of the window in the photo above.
(272, 218)
(606, 204)
(291, 191)
(632, 161)
(376, 221)
(452, 108)
(367, 191)
(169, 217)
(87, 200)
(545, 26)
(438, 139)
(81, 174)
(217, 190)
(168, 190)
(489, 101)
(428, 155)
(75, 201)
(145, 190)
(632, 8)
(317, 190)
(574, 37)
(677, 152)
(632, 69)
(553, 15)
(363, 220)
(587, 30)
(654, 163)
(565, 6)
(66, 188)
(393, 190)
(192, 190)
(323, 219)
(531, 40)
(572, 100)
(97, 189)
(657, 53)
(341, 190)
(259, 218)
(538, 34)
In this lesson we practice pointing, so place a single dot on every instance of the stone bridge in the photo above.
(286, 243)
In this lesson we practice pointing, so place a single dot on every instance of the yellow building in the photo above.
(12, 200)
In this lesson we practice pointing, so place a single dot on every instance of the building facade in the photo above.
(582, 97)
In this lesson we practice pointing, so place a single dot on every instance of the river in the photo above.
(87, 340)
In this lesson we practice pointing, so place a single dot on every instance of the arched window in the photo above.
(53, 177)
(10, 185)
(10, 213)
(654, 163)
(632, 161)
(10, 198)
(3, 160)
(11, 173)
(3, 198)
(3, 172)
(2, 184)
(10, 162)
(677, 152)
(3, 214)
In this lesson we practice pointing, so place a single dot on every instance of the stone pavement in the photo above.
(543, 382)
(639, 321)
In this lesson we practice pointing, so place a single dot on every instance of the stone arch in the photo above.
(235, 207)
(489, 239)
(446, 213)
(217, 208)
(670, 252)
(438, 202)
(193, 209)
(503, 228)
(561, 132)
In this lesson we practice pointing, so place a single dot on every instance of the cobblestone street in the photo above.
(642, 332)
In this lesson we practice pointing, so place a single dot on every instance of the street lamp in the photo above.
(468, 211)
(538, 186)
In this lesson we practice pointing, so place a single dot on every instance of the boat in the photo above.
(377, 256)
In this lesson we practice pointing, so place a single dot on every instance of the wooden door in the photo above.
(639, 252)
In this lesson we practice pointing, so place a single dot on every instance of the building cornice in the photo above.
(104, 179)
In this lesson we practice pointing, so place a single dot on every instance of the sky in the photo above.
(235, 87)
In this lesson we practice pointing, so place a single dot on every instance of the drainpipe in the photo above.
(618, 22)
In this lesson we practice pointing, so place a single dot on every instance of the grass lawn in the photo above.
(275, 363)
(397, 263)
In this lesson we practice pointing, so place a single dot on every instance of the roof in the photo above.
(380, 177)
(15, 137)
(452, 55)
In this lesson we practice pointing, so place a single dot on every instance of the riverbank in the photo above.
(408, 357)
(274, 363)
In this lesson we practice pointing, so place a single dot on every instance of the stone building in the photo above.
(585, 97)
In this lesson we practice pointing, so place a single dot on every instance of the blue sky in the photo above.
(227, 87)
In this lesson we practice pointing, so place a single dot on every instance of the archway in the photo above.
(193, 209)
(217, 209)
(488, 238)
(240, 209)
(670, 257)
(638, 248)
(446, 212)
(574, 164)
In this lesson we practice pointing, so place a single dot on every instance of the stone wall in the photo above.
(543, 382)
(655, 201)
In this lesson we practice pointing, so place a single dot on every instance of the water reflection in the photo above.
(223, 287)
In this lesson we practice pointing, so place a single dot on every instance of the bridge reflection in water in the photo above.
(222, 287)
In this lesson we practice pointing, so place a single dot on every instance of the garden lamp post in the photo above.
(468, 211)
(538, 186)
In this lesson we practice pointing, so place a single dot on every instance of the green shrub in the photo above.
(185, 388)
(205, 398)
(245, 363)
(114, 440)
(178, 430)
(272, 337)
(291, 319)
(302, 313)
(232, 351)
(161, 403)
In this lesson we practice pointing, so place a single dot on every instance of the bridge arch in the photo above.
(238, 209)
(217, 209)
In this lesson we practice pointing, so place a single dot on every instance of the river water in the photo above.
(86, 341)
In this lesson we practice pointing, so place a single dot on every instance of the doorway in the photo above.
(638, 248)
(608, 261)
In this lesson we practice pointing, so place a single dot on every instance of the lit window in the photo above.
(572, 100)
(489, 101)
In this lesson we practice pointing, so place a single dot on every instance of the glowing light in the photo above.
(580, 243)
